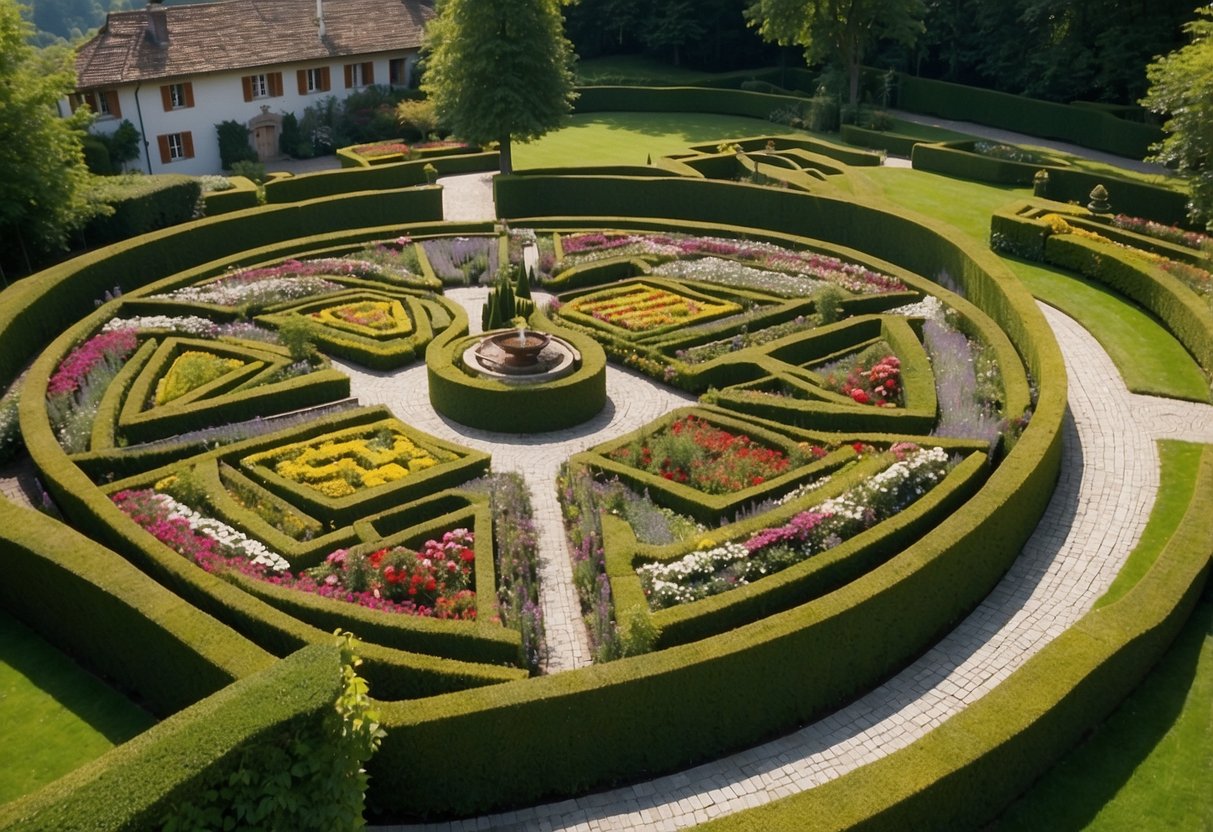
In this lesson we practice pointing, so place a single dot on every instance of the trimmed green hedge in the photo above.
(489, 404)
(895, 144)
(376, 178)
(115, 620)
(243, 194)
(966, 771)
(1017, 230)
(957, 159)
(141, 204)
(1080, 125)
(135, 785)
(1184, 312)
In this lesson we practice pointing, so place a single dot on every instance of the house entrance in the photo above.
(264, 131)
(265, 142)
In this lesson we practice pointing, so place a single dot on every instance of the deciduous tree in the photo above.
(499, 71)
(1181, 86)
(839, 30)
(42, 171)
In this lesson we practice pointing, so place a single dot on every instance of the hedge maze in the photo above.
(840, 496)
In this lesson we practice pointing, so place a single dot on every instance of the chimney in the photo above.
(157, 24)
(320, 17)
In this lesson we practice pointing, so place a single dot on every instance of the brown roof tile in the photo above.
(237, 34)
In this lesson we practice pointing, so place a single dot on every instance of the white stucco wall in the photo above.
(220, 97)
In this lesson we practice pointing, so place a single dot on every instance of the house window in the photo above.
(177, 96)
(175, 147)
(359, 75)
(396, 72)
(263, 85)
(102, 102)
(314, 80)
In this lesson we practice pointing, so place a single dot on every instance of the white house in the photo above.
(177, 71)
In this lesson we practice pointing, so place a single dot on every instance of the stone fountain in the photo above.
(521, 356)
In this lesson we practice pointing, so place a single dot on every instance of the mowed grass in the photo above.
(633, 138)
(1150, 765)
(54, 716)
(1149, 358)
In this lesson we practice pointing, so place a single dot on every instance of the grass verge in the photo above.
(54, 716)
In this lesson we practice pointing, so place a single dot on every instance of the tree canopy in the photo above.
(838, 29)
(41, 160)
(499, 71)
(1181, 86)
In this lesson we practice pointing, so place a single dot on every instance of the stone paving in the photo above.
(1108, 482)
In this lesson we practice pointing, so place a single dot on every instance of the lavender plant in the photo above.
(462, 261)
(516, 545)
(581, 506)
(964, 411)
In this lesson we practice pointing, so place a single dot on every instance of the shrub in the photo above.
(234, 144)
(418, 118)
(141, 204)
(249, 169)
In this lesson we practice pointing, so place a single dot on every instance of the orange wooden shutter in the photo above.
(275, 83)
(189, 93)
(349, 76)
(165, 155)
(187, 144)
(247, 82)
(166, 97)
(111, 99)
(368, 73)
(301, 75)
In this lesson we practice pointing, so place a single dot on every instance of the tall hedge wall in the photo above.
(1080, 125)
(377, 178)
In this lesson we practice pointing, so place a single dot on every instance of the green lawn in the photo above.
(54, 717)
(1150, 766)
(631, 138)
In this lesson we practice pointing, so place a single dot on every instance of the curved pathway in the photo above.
(1108, 483)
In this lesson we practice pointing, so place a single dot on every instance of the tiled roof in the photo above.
(235, 34)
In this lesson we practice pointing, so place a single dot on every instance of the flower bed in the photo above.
(191, 370)
(74, 391)
(912, 473)
(695, 452)
(382, 149)
(337, 467)
(462, 261)
(381, 317)
(581, 248)
(290, 280)
(1158, 230)
(640, 307)
(872, 378)
(206, 541)
(435, 582)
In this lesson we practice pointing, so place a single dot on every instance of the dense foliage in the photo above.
(500, 72)
(43, 194)
(1181, 85)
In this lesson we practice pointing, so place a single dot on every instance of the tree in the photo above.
(499, 71)
(1181, 85)
(41, 159)
(672, 25)
(837, 29)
